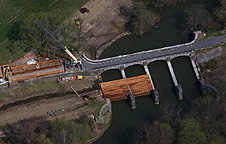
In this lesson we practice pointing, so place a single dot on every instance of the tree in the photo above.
(24, 132)
(211, 115)
(171, 114)
(69, 132)
(220, 13)
(42, 139)
(157, 133)
(140, 19)
(189, 133)
(31, 37)
(194, 16)
(162, 3)
(62, 131)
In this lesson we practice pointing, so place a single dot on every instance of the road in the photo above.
(95, 65)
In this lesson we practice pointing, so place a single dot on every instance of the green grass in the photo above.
(12, 11)
(211, 35)
(97, 106)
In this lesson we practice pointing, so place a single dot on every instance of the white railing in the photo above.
(142, 52)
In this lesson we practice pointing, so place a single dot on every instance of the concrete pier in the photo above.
(148, 73)
(179, 90)
(156, 96)
(195, 69)
(172, 73)
(132, 100)
(123, 73)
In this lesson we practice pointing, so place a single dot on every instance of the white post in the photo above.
(172, 73)
(123, 73)
(148, 73)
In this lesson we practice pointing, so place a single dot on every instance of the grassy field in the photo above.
(13, 11)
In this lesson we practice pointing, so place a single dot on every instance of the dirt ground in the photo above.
(21, 93)
(69, 104)
(102, 24)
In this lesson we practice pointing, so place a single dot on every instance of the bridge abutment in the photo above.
(195, 69)
(179, 90)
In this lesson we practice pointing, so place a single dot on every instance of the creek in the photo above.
(125, 121)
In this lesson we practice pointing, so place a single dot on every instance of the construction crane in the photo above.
(62, 46)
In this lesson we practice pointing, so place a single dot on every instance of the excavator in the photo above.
(75, 62)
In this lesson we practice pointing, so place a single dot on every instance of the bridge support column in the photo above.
(155, 91)
(179, 90)
(195, 69)
(131, 97)
(148, 73)
(123, 73)
(132, 101)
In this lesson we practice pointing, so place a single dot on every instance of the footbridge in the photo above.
(145, 57)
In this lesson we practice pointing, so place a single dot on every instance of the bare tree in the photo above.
(157, 133)
(24, 132)
(195, 15)
(171, 114)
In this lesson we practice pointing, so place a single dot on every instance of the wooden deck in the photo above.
(23, 72)
(118, 89)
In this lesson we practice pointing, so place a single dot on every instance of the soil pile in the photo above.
(101, 25)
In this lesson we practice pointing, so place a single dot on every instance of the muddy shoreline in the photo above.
(100, 49)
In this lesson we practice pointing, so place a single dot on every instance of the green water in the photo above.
(125, 121)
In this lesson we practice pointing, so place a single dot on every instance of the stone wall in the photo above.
(104, 109)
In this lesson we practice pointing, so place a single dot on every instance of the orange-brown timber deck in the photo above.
(23, 72)
(118, 89)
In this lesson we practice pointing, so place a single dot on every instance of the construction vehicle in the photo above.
(74, 60)
(6, 73)
(79, 77)
(88, 97)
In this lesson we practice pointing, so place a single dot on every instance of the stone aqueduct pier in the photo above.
(145, 57)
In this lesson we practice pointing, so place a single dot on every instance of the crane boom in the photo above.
(62, 46)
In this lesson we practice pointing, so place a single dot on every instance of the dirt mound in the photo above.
(101, 24)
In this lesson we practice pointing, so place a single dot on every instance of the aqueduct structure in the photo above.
(146, 57)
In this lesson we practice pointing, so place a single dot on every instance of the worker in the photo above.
(78, 23)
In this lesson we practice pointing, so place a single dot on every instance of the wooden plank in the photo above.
(33, 70)
(43, 74)
(40, 63)
(118, 89)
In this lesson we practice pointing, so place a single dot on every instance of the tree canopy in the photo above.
(162, 3)
(220, 13)
(31, 37)
(157, 133)
(189, 133)
(140, 19)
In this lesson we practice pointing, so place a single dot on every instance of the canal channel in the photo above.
(125, 121)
